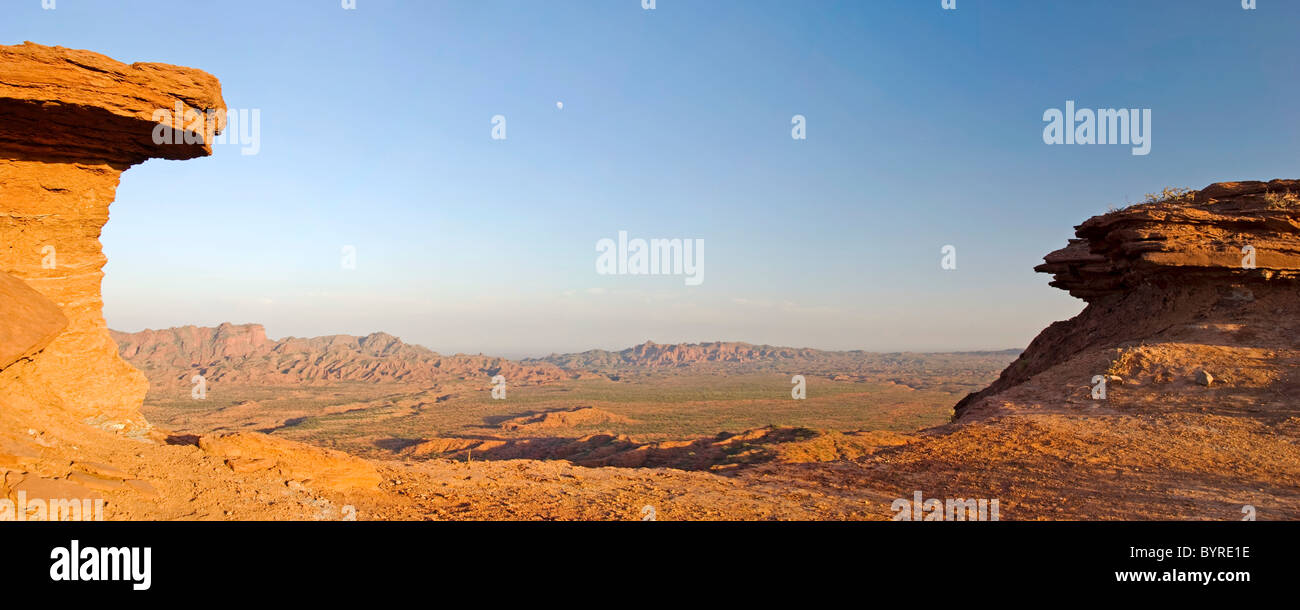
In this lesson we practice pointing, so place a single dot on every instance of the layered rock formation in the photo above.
(80, 106)
(70, 426)
(70, 123)
(1223, 259)
(1196, 237)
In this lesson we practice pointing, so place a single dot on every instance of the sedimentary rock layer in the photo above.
(70, 123)
(77, 105)
(1195, 237)
(1207, 256)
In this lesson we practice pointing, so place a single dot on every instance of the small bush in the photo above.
(1283, 199)
(1170, 195)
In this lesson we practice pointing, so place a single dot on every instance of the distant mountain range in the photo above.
(244, 354)
(655, 355)
(651, 354)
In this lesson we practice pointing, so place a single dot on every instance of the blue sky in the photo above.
(924, 128)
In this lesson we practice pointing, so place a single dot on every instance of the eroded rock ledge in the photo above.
(1198, 237)
(70, 123)
(1156, 266)
(76, 105)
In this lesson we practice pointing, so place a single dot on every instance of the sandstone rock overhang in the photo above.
(59, 103)
(70, 123)
(1197, 236)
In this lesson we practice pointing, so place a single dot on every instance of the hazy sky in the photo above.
(924, 128)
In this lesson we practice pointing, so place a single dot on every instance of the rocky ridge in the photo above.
(243, 354)
(910, 369)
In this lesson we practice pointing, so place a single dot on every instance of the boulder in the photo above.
(28, 321)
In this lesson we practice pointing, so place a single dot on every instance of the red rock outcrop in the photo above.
(70, 123)
(1227, 257)
(1196, 237)
(80, 106)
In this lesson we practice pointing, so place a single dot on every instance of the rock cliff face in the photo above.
(70, 123)
(1215, 267)
(70, 426)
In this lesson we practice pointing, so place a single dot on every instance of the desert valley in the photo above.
(411, 298)
(1171, 396)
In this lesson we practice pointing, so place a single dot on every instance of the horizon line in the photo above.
(518, 355)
